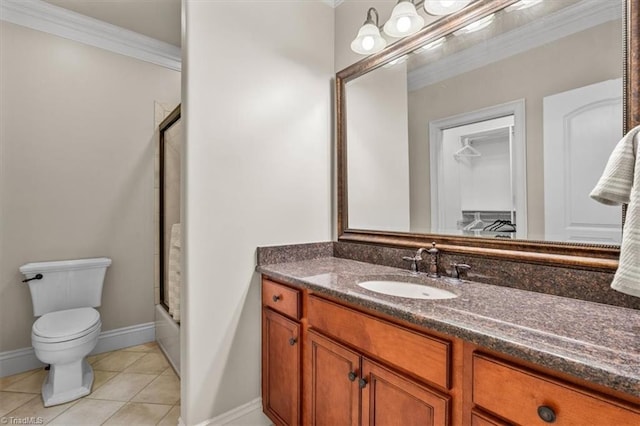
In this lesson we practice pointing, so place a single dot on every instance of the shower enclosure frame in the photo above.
(171, 119)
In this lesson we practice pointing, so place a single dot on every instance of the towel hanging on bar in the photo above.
(620, 184)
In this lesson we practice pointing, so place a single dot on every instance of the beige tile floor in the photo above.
(132, 386)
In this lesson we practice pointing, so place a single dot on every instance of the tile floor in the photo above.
(132, 386)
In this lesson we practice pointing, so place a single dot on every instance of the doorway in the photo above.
(478, 184)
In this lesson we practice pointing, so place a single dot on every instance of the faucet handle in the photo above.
(414, 262)
(458, 268)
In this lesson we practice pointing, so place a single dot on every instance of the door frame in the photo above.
(518, 157)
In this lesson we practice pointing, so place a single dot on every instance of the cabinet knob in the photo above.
(546, 414)
(352, 376)
(293, 341)
(276, 297)
(362, 383)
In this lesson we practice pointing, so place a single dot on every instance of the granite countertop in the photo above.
(596, 342)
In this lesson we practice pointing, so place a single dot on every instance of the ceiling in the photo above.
(159, 19)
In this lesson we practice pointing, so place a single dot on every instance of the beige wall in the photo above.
(583, 58)
(257, 111)
(76, 170)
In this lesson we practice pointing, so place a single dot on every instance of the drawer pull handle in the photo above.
(547, 414)
(352, 376)
(276, 297)
(293, 341)
(362, 383)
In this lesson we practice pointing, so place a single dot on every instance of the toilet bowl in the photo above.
(64, 294)
(63, 339)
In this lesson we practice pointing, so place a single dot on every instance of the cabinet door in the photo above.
(391, 399)
(331, 383)
(280, 368)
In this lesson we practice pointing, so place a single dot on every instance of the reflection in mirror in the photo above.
(498, 130)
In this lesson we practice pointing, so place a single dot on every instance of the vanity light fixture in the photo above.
(523, 4)
(444, 7)
(369, 40)
(404, 20)
(477, 25)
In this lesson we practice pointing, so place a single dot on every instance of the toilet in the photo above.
(64, 295)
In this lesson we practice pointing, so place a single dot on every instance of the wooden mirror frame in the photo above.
(576, 255)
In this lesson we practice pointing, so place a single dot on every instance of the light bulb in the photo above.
(367, 43)
(404, 20)
(444, 7)
(403, 24)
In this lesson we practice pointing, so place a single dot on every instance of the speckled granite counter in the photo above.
(592, 341)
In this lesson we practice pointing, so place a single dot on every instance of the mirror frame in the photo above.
(575, 255)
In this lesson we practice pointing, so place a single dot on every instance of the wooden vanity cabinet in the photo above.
(327, 363)
(281, 354)
(346, 388)
(524, 396)
(478, 418)
(343, 375)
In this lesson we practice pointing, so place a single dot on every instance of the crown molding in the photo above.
(570, 20)
(45, 17)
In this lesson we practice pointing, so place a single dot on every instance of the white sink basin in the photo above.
(402, 289)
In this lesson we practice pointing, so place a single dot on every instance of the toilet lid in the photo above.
(67, 324)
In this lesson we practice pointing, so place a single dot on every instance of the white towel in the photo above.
(620, 184)
(174, 278)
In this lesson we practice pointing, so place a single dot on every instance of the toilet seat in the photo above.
(66, 325)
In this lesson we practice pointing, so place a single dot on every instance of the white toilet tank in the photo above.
(66, 284)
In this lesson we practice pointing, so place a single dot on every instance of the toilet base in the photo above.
(67, 382)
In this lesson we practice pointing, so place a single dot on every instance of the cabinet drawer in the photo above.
(518, 395)
(281, 298)
(424, 356)
(478, 418)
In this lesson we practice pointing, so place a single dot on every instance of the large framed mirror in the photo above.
(489, 141)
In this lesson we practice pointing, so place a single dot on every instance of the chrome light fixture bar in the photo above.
(369, 40)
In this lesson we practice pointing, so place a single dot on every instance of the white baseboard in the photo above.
(20, 360)
(14, 362)
(124, 337)
(249, 414)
